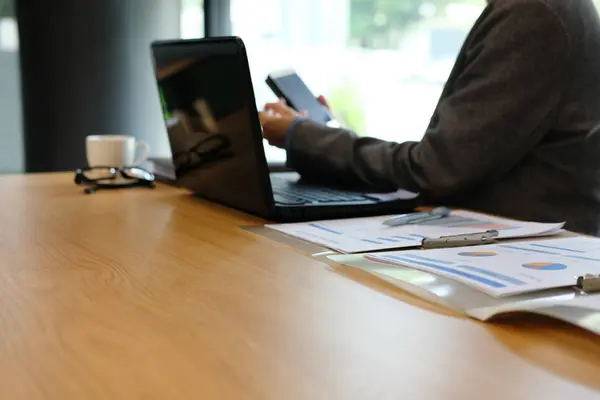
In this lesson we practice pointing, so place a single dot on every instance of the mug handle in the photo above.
(145, 152)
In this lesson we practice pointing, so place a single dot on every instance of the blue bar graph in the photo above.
(416, 257)
(502, 277)
(557, 248)
(453, 271)
(585, 258)
(404, 237)
(396, 239)
(325, 229)
(529, 250)
(385, 239)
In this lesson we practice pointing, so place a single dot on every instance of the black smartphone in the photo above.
(288, 85)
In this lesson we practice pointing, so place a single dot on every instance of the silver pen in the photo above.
(407, 219)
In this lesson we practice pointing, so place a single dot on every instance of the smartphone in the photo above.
(288, 85)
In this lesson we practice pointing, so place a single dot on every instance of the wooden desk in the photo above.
(141, 294)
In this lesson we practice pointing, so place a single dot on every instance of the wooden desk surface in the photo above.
(141, 294)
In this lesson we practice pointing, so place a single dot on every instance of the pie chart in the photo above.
(545, 266)
(477, 254)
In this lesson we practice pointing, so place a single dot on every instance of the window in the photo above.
(9, 36)
(380, 63)
(192, 19)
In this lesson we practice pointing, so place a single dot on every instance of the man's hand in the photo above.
(277, 117)
(275, 120)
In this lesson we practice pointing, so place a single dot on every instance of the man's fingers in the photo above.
(281, 108)
(264, 117)
(278, 108)
(323, 101)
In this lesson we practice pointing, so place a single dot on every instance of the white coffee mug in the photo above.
(114, 151)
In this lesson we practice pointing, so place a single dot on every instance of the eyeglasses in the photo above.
(97, 178)
(212, 148)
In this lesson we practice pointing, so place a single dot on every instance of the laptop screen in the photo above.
(210, 113)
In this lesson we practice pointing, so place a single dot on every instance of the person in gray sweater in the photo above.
(511, 132)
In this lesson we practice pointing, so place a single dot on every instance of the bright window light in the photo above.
(9, 35)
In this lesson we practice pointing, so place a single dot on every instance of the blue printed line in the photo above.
(321, 227)
(387, 240)
(529, 250)
(557, 248)
(419, 236)
(453, 271)
(427, 259)
(585, 258)
(371, 241)
(496, 275)
(404, 237)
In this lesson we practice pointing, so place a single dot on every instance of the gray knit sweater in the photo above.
(509, 135)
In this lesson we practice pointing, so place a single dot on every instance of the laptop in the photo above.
(218, 153)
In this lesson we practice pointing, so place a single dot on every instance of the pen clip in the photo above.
(588, 283)
(469, 239)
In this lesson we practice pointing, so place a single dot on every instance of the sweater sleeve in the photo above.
(497, 105)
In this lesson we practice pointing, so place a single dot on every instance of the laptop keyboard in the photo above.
(285, 192)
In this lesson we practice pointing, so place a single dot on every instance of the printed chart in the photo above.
(351, 240)
(545, 266)
(470, 221)
(508, 269)
(358, 235)
(478, 254)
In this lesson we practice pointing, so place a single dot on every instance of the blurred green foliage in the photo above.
(380, 23)
(346, 104)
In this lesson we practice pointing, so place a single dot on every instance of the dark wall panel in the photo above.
(86, 69)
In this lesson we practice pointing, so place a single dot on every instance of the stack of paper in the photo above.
(558, 307)
(507, 269)
(369, 234)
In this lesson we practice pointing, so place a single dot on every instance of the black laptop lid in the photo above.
(210, 112)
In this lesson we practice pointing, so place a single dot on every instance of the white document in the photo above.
(507, 268)
(582, 311)
(591, 302)
(549, 306)
(359, 235)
